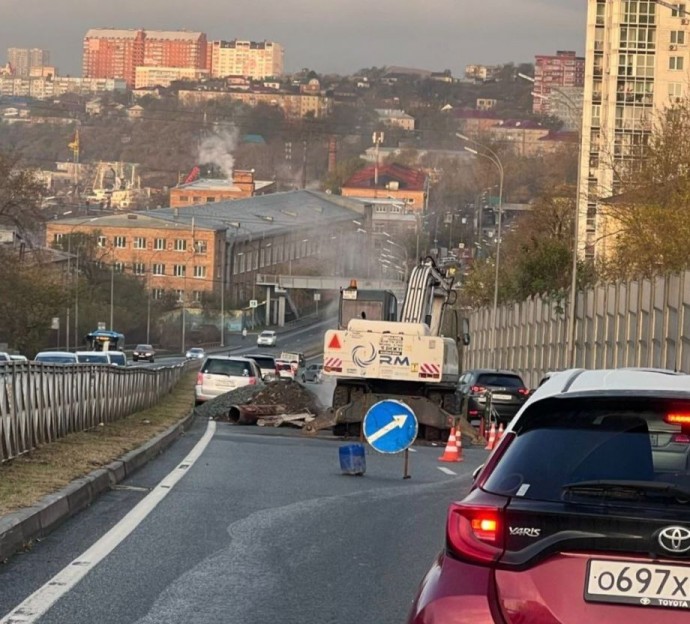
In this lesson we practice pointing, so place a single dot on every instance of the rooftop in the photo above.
(408, 179)
(214, 184)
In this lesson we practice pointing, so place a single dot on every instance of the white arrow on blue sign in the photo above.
(390, 426)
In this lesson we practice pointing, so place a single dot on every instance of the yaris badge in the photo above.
(675, 539)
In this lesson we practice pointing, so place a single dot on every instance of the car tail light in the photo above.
(477, 389)
(677, 419)
(681, 438)
(523, 391)
(199, 379)
(252, 381)
(475, 532)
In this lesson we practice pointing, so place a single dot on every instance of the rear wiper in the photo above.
(624, 489)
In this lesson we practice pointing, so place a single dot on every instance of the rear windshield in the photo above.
(118, 358)
(96, 358)
(284, 366)
(561, 442)
(232, 368)
(55, 359)
(263, 361)
(500, 380)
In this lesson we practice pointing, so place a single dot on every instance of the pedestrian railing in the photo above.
(40, 403)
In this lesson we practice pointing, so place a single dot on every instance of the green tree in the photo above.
(20, 195)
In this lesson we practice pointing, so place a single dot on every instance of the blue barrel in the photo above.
(352, 460)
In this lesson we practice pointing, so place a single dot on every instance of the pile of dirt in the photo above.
(291, 394)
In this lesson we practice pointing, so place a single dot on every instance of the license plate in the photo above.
(645, 585)
(501, 397)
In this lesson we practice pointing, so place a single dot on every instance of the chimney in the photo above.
(244, 179)
(332, 154)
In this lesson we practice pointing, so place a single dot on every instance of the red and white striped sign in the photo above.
(429, 370)
(331, 364)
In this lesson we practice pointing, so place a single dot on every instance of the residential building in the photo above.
(523, 136)
(475, 122)
(116, 53)
(391, 181)
(45, 88)
(566, 103)
(23, 60)
(636, 65)
(255, 59)
(485, 104)
(205, 191)
(147, 77)
(564, 69)
(294, 105)
(395, 118)
(481, 73)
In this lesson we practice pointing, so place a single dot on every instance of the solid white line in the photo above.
(443, 469)
(36, 605)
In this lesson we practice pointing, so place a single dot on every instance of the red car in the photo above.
(581, 515)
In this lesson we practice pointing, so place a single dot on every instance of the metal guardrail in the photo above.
(40, 403)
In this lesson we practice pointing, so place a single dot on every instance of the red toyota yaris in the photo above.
(580, 516)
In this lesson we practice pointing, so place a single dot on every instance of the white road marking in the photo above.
(36, 605)
(443, 469)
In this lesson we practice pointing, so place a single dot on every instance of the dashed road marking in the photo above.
(443, 469)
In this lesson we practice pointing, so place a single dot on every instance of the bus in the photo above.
(105, 340)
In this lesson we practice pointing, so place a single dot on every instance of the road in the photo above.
(261, 527)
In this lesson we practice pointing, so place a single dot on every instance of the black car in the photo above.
(506, 388)
(144, 352)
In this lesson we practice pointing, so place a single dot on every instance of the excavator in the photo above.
(374, 355)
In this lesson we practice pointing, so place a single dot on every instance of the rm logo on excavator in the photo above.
(394, 360)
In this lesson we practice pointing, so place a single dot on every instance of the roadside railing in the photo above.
(40, 403)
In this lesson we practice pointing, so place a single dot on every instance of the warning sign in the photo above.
(335, 342)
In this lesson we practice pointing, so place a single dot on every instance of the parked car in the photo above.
(508, 392)
(267, 364)
(195, 353)
(144, 352)
(117, 358)
(286, 370)
(5, 357)
(92, 357)
(267, 338)
(580, 514)
(56, 357)
(19, 358)
(222, 373)
(313, 373)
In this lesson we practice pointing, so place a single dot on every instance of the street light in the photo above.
(572, 321)
(491, 156)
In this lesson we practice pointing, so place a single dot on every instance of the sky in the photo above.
(338, 36)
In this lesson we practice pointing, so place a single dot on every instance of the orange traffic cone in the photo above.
(458, 440)
(451, 452)
(492, 438)
(499, 433)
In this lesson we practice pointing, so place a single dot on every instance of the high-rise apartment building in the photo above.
(636, 66)
(245, 58)
(113, 53)
(564, 69)
(23, 60)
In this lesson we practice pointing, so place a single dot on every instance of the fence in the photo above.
(637, 323)
(40, 403)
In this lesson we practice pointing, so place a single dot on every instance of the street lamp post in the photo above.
(491, 156)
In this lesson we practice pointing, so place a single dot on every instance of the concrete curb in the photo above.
(20, 528)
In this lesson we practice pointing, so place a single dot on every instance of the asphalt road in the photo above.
(264, 527)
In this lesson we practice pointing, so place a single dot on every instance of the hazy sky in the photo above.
(324, 35)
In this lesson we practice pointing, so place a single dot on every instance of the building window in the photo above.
(381, 208)
(58, 237)
(139, 268)
(157, 293)
(262, 258)
(139, 242)
(396, 208)
(197, 296)
(180, 244)
(158, 269)
(118, 267)
(199, 271)
(179, 270)
(196, 199)
(210, 199)
(184, 198)
(200, 247)
(675, 62)
(679, 12)
(102, 241)
(180, 295)
(120, 242)
(678, 37)
(255, 255)
(159, 245)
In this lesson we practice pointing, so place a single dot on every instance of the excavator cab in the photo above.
(370, 305)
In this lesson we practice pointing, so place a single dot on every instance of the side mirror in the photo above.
(476, 472)
(466, 340)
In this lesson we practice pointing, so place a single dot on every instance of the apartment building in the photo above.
(116, 53)
(636, 65)
(47, 88)
(23, 60)
(564, 69)
(254, 59)
(148, 77)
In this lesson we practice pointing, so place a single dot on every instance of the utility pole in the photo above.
(305, 144)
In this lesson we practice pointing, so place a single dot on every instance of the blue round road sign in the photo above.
(390, 426)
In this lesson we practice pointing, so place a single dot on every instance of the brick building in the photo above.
(205, 191)
(564, 69)
(391, 181)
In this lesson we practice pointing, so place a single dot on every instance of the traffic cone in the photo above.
(451, 452)
(499, 433)
(492, 438)
(458, 444)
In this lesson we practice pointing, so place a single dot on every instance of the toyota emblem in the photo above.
(675, 539)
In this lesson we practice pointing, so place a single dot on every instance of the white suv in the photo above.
(221, 373)
(267, 338)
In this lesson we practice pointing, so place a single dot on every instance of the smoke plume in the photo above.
(217, 148)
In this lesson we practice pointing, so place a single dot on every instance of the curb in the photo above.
(18, 529)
